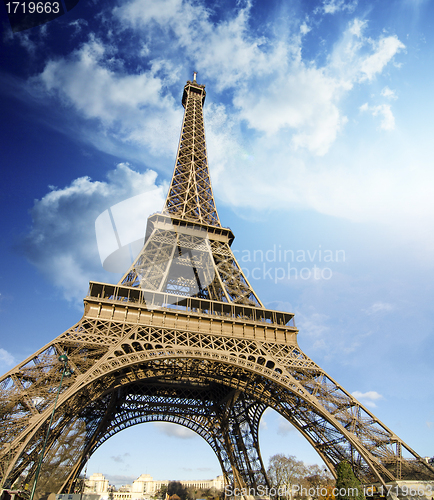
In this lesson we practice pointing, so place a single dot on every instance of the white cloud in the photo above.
(119, 479)
(305, 98)
(130, 107)
(78, 25)
(120, 458)
(380, 307)
(274, 88)
(6, 358)
(367, 395)
(320, 345)
(356, 27)
(299, 98)
(314, 326)
(381, 182)
(384, 51)
(162, 12)
(284, 427)
(31, 41)
(357, 58)
(174, 430)
(304, 28)
(62, 243)
(390, 94)
(387, 118)
(368, 398)
(226, 50)
(269, 412)
(333, 6)
(384, 111)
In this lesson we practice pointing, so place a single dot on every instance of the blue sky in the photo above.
(319, 129)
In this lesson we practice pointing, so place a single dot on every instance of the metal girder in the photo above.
(202, 408)
(182, 260)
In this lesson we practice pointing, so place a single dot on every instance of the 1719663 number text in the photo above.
(33, 7)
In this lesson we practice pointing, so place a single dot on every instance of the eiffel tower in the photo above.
(183, 338)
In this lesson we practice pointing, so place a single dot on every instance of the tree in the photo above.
(347, 485)
(318, 480)
(328, 493)
(162, 492)
(284, 472)
(290, 478)
(209, 493)
(111, 490)
(176, 488)
(192, 493)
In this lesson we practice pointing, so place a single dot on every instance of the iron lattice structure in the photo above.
(183, 338)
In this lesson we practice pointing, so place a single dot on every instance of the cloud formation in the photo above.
(380, 307)
(274, 88)
(333, 6)
(120, 458)
(284, 427)
(388, 93)
(174, 430)
(315, 326)
(62, 243)
(130, 107)
(384, 111)
(6, 358)
(368, 398)
(383, 51)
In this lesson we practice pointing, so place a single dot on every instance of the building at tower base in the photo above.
(143, 488)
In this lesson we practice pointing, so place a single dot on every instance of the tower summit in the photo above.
(190, 194)
(187, 251)
(183, 338)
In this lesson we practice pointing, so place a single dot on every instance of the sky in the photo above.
(319, 129)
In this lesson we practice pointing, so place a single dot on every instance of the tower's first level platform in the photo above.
(135, 305)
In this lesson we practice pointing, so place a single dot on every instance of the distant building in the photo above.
(97, 483)
(144, 487)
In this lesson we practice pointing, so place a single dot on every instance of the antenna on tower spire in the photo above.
(194, 75)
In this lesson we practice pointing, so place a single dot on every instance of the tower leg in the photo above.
(239, 422)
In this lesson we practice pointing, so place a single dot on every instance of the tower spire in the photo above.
(190, 194)
(187, 251)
